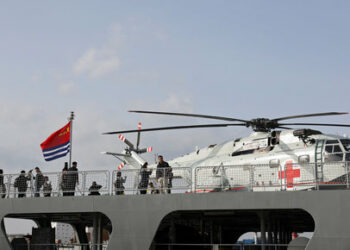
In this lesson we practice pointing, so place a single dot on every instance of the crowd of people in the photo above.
(69, 180)
(41, 184)
(161, 185)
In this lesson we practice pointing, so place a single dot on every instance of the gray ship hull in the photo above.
(136, 219)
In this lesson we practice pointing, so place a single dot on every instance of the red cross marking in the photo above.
(290, 173)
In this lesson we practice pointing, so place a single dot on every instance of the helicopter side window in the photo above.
(329, 149)
(346, 144)
(336, 149)
(245, 152)
(347, 157)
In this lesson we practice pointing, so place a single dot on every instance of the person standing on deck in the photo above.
(2, 185)
(21, 184)
(64, 180)
(39, 181)
(119, 184)
(73, 178)
(144, 173)
(161, 174)
(47, 187)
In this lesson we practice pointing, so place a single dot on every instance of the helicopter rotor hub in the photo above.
(262, 124)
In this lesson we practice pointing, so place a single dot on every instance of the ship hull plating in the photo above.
(136, 219)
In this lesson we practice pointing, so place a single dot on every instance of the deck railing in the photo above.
(222, 178)
(237, 246)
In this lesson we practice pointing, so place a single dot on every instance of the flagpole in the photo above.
(71, 118)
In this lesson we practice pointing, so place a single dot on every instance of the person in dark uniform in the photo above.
(73, 178)
(144, 173)
(21, 184)
(2, 185)
(161, 174)
(94, 189)
(64, 180)
(119, 184)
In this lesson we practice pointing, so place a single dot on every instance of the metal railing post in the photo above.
(222, 177)
(108, 183)
(251, 177)
(9, 186)
(84, 182)
(112, 186)
(347, 174)
(32, 187)
(195, 180)
(284, 174)
(316, 175)
(280, 176)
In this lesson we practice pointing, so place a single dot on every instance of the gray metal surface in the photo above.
(135, 219)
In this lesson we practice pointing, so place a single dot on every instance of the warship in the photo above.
(276, 183)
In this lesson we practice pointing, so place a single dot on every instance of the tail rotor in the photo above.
(139, 127)
(130, 155)
(131, 145)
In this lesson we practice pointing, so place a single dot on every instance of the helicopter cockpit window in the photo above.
(333, 153)
(332, 141)
(336, 149)
(346, 144)
(329, 149)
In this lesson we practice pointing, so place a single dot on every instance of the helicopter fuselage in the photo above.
(266, 156)
(268, 151)
(272, 154)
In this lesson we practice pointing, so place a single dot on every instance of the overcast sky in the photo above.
(243, 59)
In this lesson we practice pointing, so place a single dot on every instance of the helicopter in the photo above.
(277, 153)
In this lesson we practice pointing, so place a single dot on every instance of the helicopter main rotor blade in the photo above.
(189, 115)
(176, 127)
(315, 124)
(310, 115)
(283, 127)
